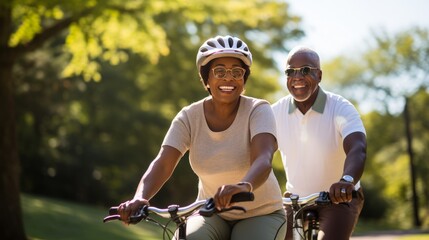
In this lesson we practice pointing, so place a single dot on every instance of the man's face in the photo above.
(302, 82)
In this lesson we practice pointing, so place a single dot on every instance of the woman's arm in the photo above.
(159, 171)
(262, 149)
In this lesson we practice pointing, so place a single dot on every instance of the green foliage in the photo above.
(97, 95)
(386, 179)
(81, 133)
(393, 68)
(98, 29)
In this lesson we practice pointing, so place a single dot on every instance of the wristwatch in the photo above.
(348, 178)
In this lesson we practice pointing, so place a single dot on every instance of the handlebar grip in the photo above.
(354, 194)
(113, 215)
(324, 198)
(209, 207)
(113, 210)
(111, 218)
(242, 197)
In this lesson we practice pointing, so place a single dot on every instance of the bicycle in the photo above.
(305, 218)
(178, 214)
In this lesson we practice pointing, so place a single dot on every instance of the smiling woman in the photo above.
(218, 47)
(225, 87)
(231, 139)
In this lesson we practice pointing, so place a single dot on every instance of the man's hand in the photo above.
(341, 192)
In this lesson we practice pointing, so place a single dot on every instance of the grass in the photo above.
(46, 219)
(51, 219)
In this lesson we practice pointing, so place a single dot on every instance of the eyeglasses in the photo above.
(303, 70)
(221, 72)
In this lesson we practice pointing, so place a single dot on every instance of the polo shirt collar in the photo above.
(318, 106)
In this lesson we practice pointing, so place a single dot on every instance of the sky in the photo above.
(335, 27)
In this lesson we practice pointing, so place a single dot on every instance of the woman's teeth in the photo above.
(226, 88)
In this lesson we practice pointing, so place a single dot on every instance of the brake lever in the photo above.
(139, 215)
(323, 199)
(209, 208)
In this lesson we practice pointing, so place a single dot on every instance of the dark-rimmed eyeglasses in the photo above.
(221, 72)
(303, 70)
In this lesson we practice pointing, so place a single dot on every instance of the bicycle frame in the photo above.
(306, 221)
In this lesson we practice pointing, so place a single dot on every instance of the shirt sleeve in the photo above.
(348, 120)
(262, 120)
(179, 133)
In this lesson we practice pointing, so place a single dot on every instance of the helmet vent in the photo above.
(211, 44)
(231, 42)
(223, 46)
(221, 42)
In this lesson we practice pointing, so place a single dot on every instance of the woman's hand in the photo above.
(129, 208)
(224, 194)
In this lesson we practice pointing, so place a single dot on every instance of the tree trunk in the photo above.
(12, 227)
(10, 216)
(409, 136)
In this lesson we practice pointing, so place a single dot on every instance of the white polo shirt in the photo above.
(311, 144)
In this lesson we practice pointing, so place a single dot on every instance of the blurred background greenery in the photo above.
(88, 90)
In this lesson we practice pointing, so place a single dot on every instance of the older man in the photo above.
(322, 142)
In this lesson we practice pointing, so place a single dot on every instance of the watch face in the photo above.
(348, 178)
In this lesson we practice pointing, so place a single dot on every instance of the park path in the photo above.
(376, 237)
(388, 235)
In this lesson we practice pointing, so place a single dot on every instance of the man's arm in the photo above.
(355, 148)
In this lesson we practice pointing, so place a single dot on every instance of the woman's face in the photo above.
(226, 79)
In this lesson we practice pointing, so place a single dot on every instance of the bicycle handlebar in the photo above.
(320, 198)
(207, 208)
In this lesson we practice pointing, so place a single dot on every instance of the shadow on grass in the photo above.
(49, 219)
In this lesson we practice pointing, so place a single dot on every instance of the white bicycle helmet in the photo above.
(223, 46)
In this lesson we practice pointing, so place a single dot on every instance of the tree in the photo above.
(104, 31)
(390, 73)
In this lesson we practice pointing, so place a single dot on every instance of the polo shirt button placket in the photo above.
(303, 120)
